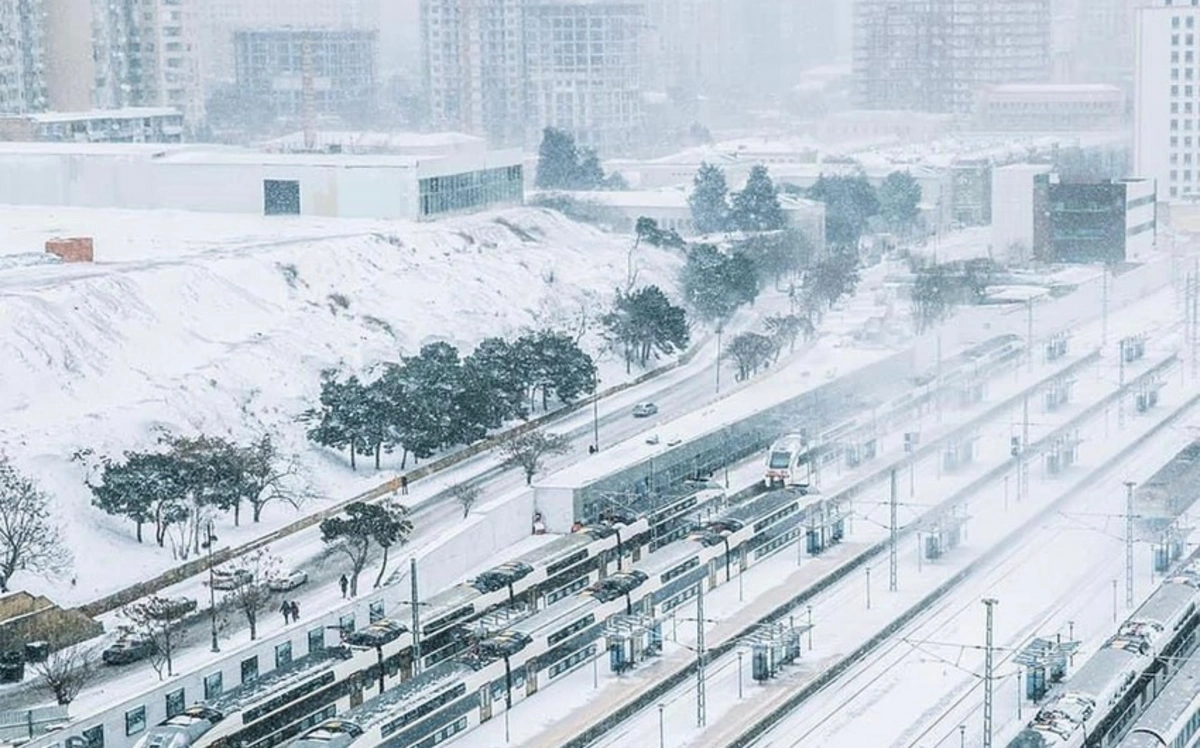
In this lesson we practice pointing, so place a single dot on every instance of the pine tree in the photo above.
(900, 200)
(646, 323)
(709, 200)
(558, 160)
(757, 208)
(850, 202)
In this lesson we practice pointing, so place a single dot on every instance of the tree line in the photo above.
(185, 482)
(437, 400)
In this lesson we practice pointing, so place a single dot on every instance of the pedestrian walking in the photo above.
(286, 610)
(344, 584)
(404, 485)
(295, 611)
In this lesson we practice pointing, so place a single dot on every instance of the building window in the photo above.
(213, 686)
(346, 624)
(281, 197)
(93, 737)
(375, 611)
(249, 669)
(176, 703)
(135, 720)
(283, 654)
(316, 640)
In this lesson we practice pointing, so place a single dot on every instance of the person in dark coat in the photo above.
(344, 584)
(286, 610)
(295, 606)
(404, 485)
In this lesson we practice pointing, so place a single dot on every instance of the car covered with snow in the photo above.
(128, 648)
(644, 410)
(288, 581)
(224, 579)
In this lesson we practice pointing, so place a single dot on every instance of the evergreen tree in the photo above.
(553, 364)
(777, 253)
(558, 160)
(363, 526)
(493, 383)
(646, 323)
(850, 202)
(900, 200)
(757, 208)
(716, 284)
(709, 200)
(589, 174)
(333, 420)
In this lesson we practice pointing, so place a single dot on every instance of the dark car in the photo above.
(501, 576)
(377, 634)
(129, 648)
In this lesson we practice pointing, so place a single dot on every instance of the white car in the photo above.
(288, 581)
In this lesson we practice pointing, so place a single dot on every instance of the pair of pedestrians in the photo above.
(290, 611)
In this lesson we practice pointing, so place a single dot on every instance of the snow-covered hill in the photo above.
(222, 324)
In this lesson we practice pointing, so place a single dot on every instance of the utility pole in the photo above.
(416, 618)
(892, 546)
(1104, 309)
(1129, 543)
(1022, 471)
(596, 416)
(720, 329)
(988, 674)
(1121, 383)
(1029, 330)
(212, 591)
(701, 705)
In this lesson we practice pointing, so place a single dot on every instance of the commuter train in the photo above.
(621, 614)
(1174, 717)
(792, 461)
(1098, 703)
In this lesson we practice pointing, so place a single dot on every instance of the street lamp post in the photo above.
(720, 329)
(740, 653)
(809, 611)
(868, 588)
(212, 591)
(662, 735)
(596, 415)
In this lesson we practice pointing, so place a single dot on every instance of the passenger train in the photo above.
(1096, 705)
(525, 657)
(1174, 717)
(792, 461)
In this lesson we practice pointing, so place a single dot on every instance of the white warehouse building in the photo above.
(237, 180)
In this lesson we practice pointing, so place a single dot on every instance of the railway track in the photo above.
(647, 698)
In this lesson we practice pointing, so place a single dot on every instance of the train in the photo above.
(1101, 700)
(621, 615)
(794, 460)
(1174, 717)
(271, 709)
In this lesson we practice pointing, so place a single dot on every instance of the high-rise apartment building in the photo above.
(1166, 134)
(935, 55)
(22, 51)
(474, 67)
(146, 55)
(583, 68)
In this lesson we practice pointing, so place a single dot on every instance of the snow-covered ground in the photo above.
(222, 324)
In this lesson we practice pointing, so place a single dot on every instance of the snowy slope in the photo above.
(222, 324)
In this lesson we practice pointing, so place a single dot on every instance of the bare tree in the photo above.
(751, 351)
(29, 539)
(65, 673)
(529, 449)
(268, 477)
(156, 619)
(466, 495)
(250, 598)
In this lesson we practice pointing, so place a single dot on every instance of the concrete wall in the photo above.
(1012, 210)
(1140, 245)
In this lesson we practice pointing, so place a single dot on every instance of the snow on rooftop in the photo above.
(222, 324)
(125, 113)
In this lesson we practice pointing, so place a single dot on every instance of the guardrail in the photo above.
(648, 698)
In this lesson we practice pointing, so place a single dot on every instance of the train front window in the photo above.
(780, 460)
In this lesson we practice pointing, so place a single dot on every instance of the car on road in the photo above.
(644, 410)
(377, 634)
(288, 581)
(231, 580)
(129, 647)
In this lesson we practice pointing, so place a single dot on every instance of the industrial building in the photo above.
(131, 125)
(1032, 107)
(237, 180)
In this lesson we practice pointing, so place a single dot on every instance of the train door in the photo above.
(531, 678)
(485, 702)
(356, 697)
(713, 566)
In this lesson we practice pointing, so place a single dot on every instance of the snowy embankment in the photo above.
(222, 324)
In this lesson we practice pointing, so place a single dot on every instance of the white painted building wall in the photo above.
(1012, 210)
(225, 180)
(1140, 243)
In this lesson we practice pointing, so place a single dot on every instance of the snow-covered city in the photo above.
(599, 373)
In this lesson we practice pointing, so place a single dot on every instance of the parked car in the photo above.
(128, 648)
(231, 580)
(377, 634)
(644, 410)
(174, 609)
(288, 581)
